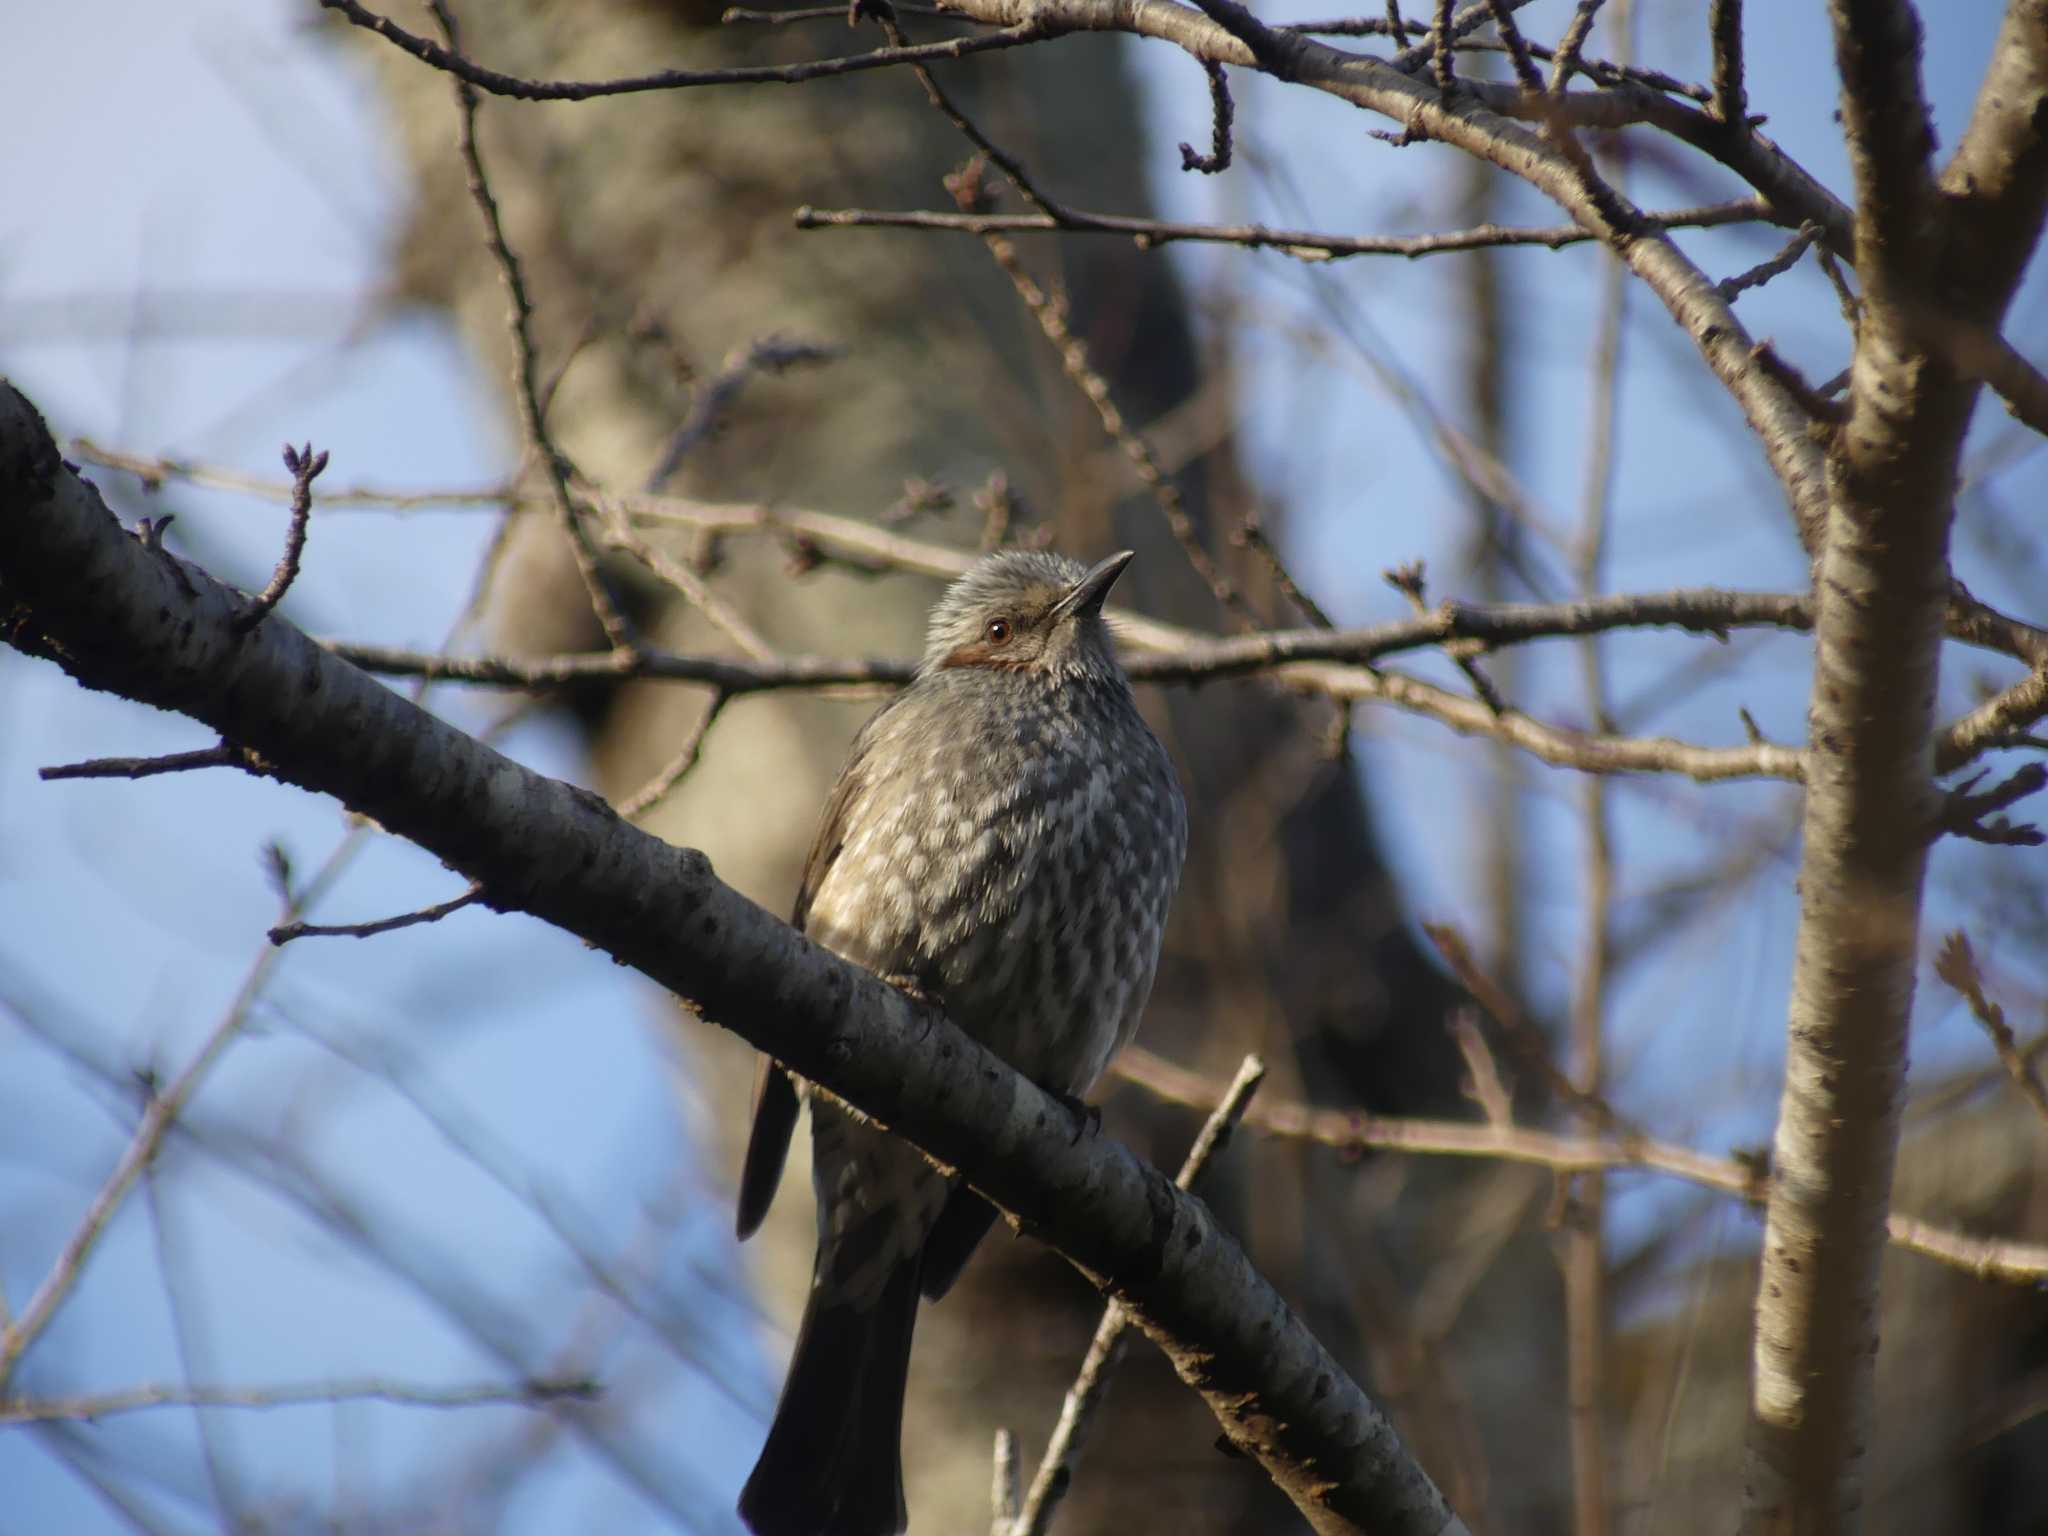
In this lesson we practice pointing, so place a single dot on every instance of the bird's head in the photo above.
(1029, 611)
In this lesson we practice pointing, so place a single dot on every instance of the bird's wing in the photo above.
(775, 1098)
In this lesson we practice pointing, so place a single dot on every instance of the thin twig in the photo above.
(304, 466)
(1956, 964)
(1585, 1261)
(715, 400)
(656, 789)
(1764, 271)
(498, 83)
(1566, 59)
(526, 367)
(1731, 96)
(1745, 1177)
(1073, 355)
(734, 14)
(1408, 581)
(284, 933)
(1223, 112)
(1077, 1411)
(691, 587)
(102, 1405)
(160, 1111)
(1523, 1037)
(1440, 39)
(1303, 245)
(1251, 535)
(1964, 809)
(1001, 158)
(222, 756)
(1003, 1491)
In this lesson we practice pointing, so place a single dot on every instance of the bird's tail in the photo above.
(833, 1464)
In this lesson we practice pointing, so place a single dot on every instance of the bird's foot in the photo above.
(1087, 1117)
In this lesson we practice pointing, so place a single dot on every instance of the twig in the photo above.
(1746, 1178)
(771, 354)
(1764, 271)
(968, 191)
(500, 84)
(1518, 50)
(1251, 535)
(656, 789)
(1001, 158)
(1585, 1262)
(101, 1405)
(1996, 719)
(1963, 812)
(1440, 39)
(304, 466)
(160, 1111)
(1073, 354)
(284, 933)
(1222, 112)
(1003, 1484)
(691, 587)
(736, 13)
(1483, 1083)
(221, 756)
(1077, 1411)
(1731, 97)
(1303, 245)
(1566, 59)
(526, 367)
(1956, 964)
(1408, 580)
(1527, 1042)
(1450, 27)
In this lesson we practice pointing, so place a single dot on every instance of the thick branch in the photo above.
(81, 592)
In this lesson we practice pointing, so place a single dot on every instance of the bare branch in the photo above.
(678, 767)
(1956, 964)
(526, 365)
(500, 84)
(1077, 1410)
(305, 466)
(1222, 111)
(222, 756)
(1731, 99)
(1303, 245)
(716, 399)
(1746, 1178)
(103, 1405)
(284, 933)
(161, 1108)
(1786, 259)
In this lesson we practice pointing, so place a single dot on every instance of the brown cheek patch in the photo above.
(980, 653)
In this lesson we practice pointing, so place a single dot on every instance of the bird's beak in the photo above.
(1092, 591)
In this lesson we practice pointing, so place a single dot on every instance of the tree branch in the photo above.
(77, 590)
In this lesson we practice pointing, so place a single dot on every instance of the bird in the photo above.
(1003, 843)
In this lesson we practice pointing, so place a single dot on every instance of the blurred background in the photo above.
(442, 1164)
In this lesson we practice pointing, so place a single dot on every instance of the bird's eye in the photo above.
(998, 631)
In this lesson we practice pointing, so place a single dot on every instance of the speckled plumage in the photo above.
(1005, 838)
